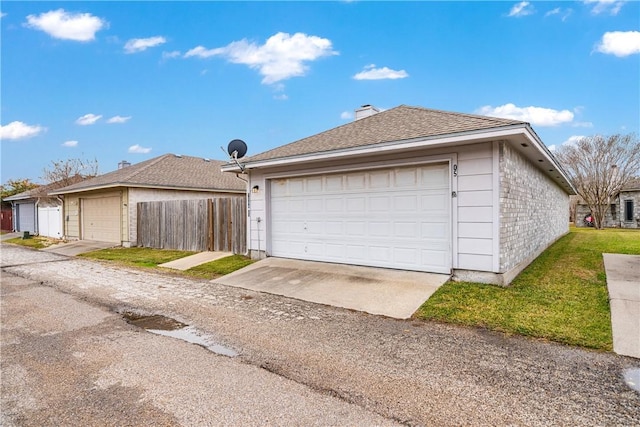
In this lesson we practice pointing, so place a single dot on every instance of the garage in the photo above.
(393, 217)
(101, 219)
(26, 217)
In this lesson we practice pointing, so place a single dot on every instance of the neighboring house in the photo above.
(37, 212)
(104, 208)
(623, 212)
(6, 217)
(413, 189)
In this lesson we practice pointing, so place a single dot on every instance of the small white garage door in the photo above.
(50, 221)
(101, 219)
(395, 218)
(26, 217)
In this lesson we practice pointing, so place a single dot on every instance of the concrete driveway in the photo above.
(392, 293)
(78, 247)
(623, 284)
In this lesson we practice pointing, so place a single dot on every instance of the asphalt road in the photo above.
(69, 358)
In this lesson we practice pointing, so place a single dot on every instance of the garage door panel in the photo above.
(396, 218)
(26, 217)
(101, 219)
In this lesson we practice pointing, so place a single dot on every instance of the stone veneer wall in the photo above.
(629, 195)
(534, 210)
(618, 209)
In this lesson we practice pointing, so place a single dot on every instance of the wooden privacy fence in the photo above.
(217, 224)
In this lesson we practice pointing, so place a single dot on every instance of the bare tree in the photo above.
(600, 166)
(70, 171)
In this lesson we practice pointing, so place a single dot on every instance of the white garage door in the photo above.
(395, 218)
(26, 217)
(101, 219)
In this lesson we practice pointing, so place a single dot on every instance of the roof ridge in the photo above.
(142, 168)
(456, 113)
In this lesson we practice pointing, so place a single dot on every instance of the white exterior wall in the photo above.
(137, 195)
(474, 217)
(476, 211)
(534, 210)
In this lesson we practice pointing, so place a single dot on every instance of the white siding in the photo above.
(50, 221)
(476, 212)
(257, 235)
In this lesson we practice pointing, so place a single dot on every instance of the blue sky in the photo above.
(134, 80)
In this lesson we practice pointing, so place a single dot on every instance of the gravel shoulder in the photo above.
(416, 373)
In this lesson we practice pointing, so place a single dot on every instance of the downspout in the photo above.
(248, 205)
(36, 226)
(64, 223)
(14, 217)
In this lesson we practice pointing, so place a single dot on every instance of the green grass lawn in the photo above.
(562, 296)
(150, 258)
(219, 267)
(34, 242)
(137, 257)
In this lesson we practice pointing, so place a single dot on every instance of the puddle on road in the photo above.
(156, 321)
(632, 378)
(166, 326)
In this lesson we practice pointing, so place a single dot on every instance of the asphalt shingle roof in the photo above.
(167, 171)
(396, 124)
(43, 191)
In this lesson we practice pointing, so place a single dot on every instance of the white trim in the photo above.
(463, 137)
(496, 206)
(155, 187)
(453, 215)
(365, 165)
(450, 158)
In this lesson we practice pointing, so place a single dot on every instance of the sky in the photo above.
(117, 81)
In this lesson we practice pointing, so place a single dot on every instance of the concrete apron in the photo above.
(194, 260)
(78, 247)
(623, 283)
(392, 293)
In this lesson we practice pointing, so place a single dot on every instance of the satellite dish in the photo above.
(237, 149)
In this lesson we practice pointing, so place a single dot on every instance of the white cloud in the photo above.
(281, 97)
(552, 147)
(20, 130)
(139, 45)
(202, 52)
(602, 6)
(573, 139)
(537, 116)
(67, 26)
(119, 119)
(558, 11)
(171, 55)
(2, 14)
(620, 43)
(281, 57)
(139, 150)
(523, 8)
(88, 119)
(555, 11)
(346, 115)
(70, 144)
(372, 73)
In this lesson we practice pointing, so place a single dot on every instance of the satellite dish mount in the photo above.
(237, 149)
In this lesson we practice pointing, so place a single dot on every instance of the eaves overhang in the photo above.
(521, 136)
(148, 186)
